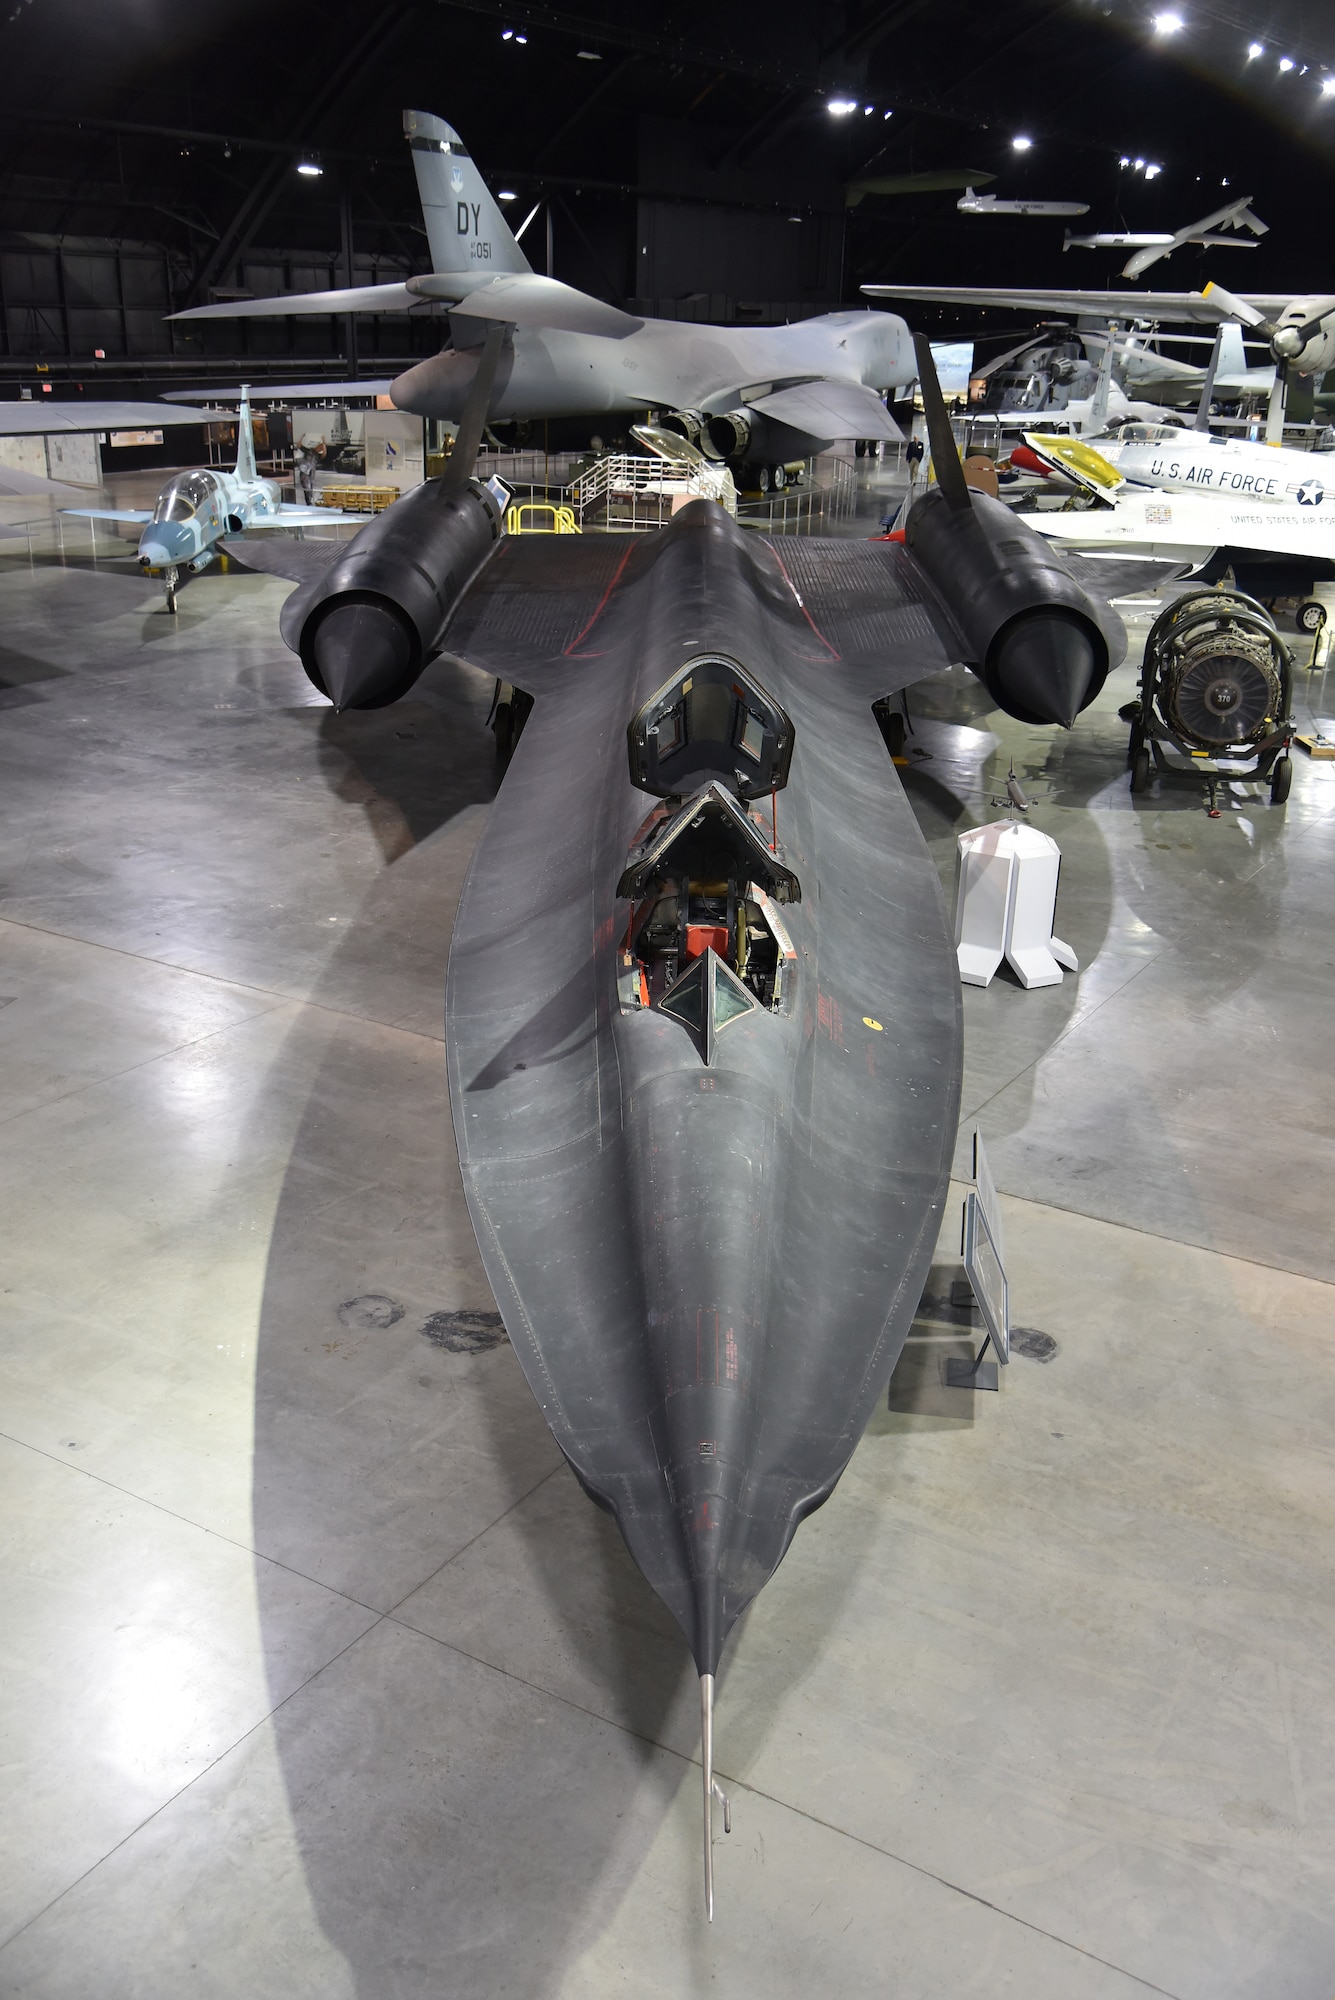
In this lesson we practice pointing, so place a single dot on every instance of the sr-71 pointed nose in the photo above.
(363, 654)
(1046, 667)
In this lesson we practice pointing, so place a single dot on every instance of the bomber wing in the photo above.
(1190, 306)
(831, 410)
(41, 419)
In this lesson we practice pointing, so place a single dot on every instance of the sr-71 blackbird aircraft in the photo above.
(764, 394)
(702, 1016)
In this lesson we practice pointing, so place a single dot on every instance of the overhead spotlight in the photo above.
(1168, 24)
(1327, 85)
(867, 110)
(794, 218)
(309, 168)
(887, 114)
(839, 107)
(1151, 172)
(1285, 65)
(588, 55)
(505, 194)
(1139, 166)
(507, 34)
(1255, 49)
(1124, 161)
(1020, 144)
(521, 38)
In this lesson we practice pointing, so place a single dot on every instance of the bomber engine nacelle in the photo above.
(738, 434)
(1304, 336)
(366, 629)
(1038, 641)
(690, 424)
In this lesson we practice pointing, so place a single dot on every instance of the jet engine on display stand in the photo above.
(1215, 697)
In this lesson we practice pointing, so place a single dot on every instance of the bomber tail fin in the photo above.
(245, 439)
(465, 229)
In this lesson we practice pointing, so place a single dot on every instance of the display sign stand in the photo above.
(985, 1269)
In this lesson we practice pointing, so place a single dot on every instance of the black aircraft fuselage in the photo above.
(707, 1268)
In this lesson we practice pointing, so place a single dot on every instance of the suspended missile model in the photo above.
(702, 1013)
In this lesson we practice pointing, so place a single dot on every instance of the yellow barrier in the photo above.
(562, 519)
(358, 499)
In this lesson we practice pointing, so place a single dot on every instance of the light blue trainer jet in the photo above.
(195, 509)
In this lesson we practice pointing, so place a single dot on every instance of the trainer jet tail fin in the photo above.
(246, 467)
(464, 228)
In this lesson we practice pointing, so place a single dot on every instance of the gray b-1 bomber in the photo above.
(757, 396)
(703, 1024)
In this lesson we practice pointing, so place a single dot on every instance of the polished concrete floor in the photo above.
(322, 1679)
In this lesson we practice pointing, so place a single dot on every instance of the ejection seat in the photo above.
(704, 943)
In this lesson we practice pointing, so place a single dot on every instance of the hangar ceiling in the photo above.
(685, 154)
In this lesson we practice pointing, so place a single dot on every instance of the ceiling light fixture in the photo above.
(1168, 24)
(505, 194)
(1327, 85)
(1285, 65)
(1255, 49)
(588, 55)
(309, 168)
(839, 107)
(1152, 172)
(1020, 144)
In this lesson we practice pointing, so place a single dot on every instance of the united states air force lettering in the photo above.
(1223, 479)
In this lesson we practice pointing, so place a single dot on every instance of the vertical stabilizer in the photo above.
(245, 439)
(464, 228)
(1098, 407)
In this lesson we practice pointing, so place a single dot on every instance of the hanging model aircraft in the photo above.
(195, 509)
(1150, 246)
(970, 203)
(760, 395)
(703, 1022)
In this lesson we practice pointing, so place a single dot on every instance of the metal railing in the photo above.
(624, 492)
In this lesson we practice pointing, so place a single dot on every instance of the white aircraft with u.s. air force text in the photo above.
(1263, 512)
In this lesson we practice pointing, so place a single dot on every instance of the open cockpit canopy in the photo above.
(711, 837)
(711, 720)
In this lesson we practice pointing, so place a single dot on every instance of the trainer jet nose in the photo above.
(165, 545)
(362, 654)
(1046, 666)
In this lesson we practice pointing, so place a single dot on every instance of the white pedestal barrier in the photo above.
(1005, 901)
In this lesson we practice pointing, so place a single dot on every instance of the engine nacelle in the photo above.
(1038, 641)
(1304, 336)
(737, 434)
(368, 627)
(690, 424)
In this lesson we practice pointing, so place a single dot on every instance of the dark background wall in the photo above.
(685, 152)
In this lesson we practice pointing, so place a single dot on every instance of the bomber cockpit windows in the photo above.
(711, 720)
(703, 881)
